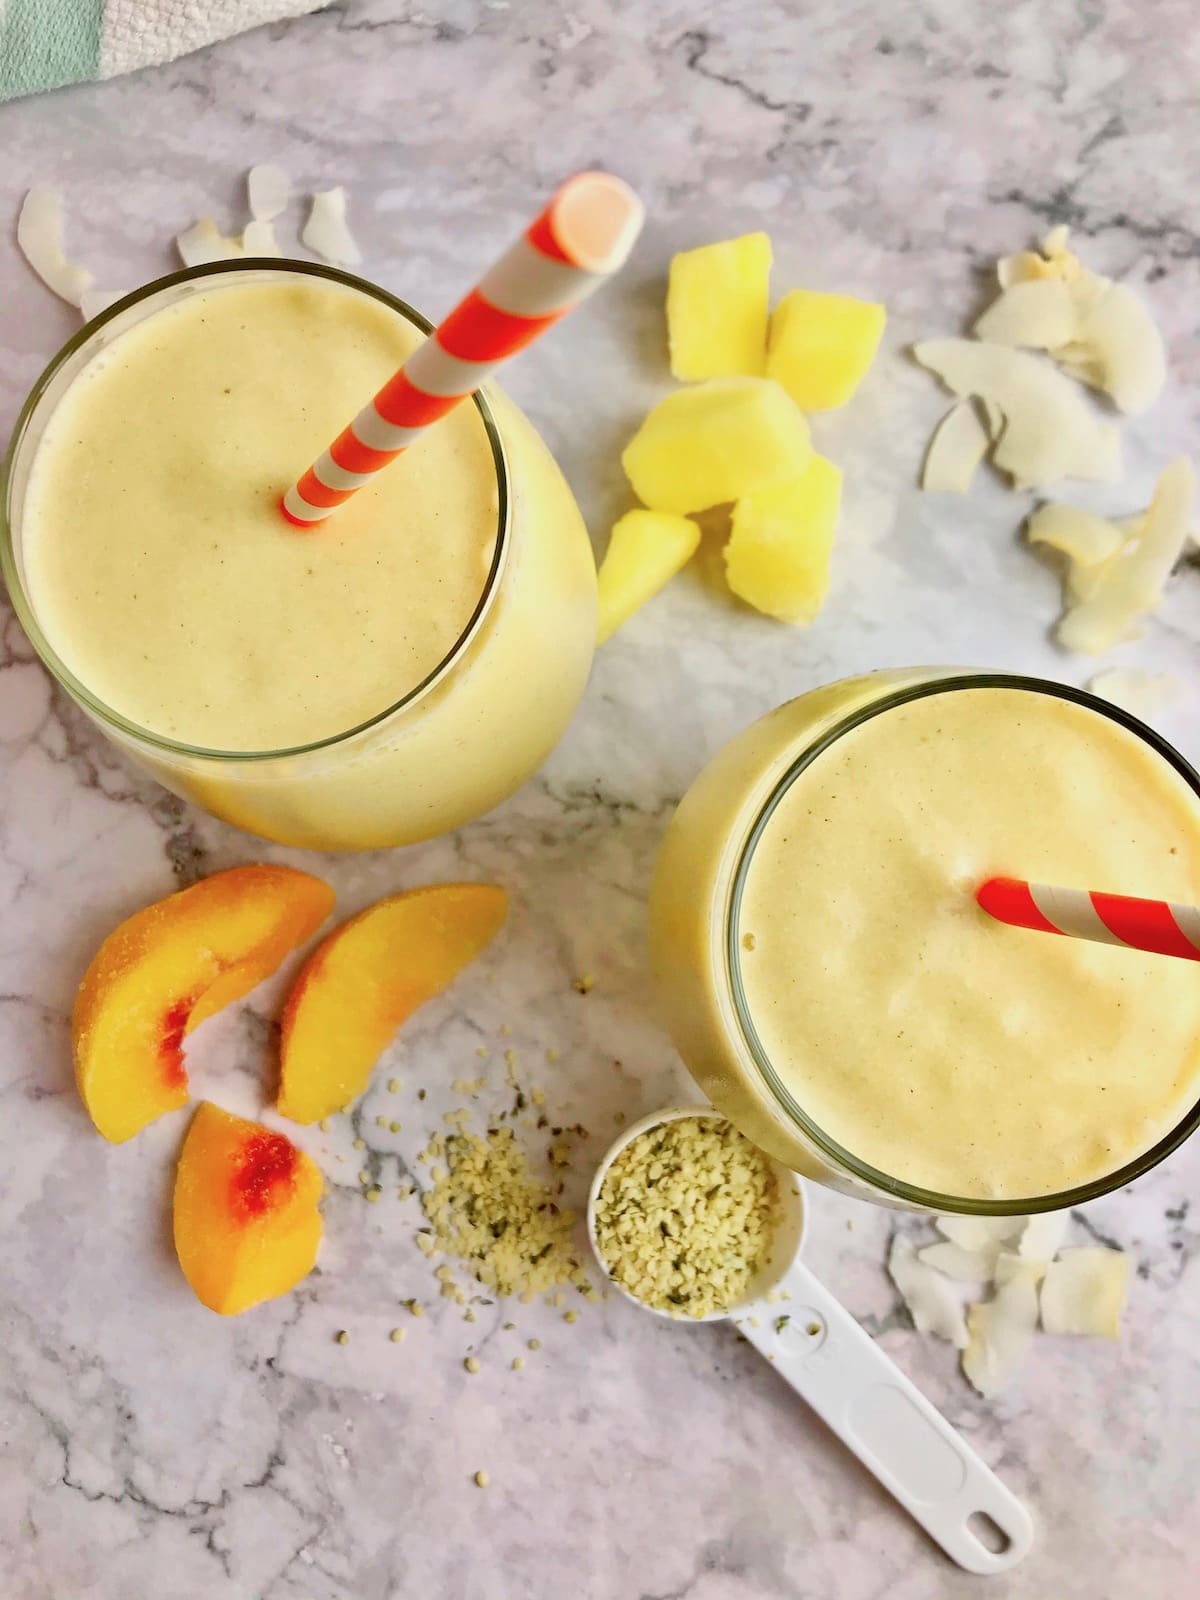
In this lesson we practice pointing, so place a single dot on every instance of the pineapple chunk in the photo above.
(718, 441)
(822, 345)
(647, 549)
(777, 558)
(717, 308)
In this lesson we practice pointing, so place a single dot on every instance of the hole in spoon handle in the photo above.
(864, 1397)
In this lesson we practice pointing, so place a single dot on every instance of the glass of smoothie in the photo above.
(382, 678)
(835, 989)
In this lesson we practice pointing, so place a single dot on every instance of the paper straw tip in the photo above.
(596, 218)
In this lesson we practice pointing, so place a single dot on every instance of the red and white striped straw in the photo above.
(579, 240)
(1158, 926)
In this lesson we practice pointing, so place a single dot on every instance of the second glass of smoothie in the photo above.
(378, 680)
(835, 989)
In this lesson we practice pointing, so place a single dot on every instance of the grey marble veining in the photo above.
(148, 1448)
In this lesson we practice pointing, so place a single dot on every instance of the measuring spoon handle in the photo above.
(814, 1343)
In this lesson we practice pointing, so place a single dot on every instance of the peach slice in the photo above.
(167, 968)
(366, 978)
(247, 1225)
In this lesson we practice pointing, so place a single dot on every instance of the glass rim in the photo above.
(106, 715)
(841, 1158)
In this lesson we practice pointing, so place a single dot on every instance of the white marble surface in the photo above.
(148, 1448)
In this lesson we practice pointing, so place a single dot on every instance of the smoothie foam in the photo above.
(929, 1041)
(158, 562)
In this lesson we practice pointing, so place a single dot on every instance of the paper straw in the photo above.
(1158, 926)
(579, 240)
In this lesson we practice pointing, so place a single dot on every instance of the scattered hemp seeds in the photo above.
(482, 1478)
(686, 1216)
(472, 1365)
(518, 1363)
(341, 1337)
(393, 1085)
(397, 1336)
(488, 1210)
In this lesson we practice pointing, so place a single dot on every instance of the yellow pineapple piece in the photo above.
(646, 550)
(821, 346)
(777, 558)
(717, 308)
(714, 442)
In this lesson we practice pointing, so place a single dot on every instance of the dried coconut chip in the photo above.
(1011, 1266)
(1038, 314)
(979, 1233)
(1043, 1235)
(93, 301)
(40, 237)
(999, 1333)
(1117, 348)
(1084, 1292)
(1114, 595)
(326, 233)
(269, 189)
(1050, 430)
(964, 1266)
(930, 1300)
(258, 239)
(203, 242)
(1083, 537)
(960, 442)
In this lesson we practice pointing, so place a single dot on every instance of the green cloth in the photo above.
(46, 43)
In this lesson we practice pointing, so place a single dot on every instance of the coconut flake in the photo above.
(1117, 348)
(1039, 314)
(1084, 1292)
(204, 242)
(979, 1233)
(959, 444)
(326, 232)
(1129, 585)
(269, 189)
(40, 237)
(1050, 431)
(258, 239)
(1086, 539)
(931, 1302)
(1139, 692)
(1010, 1266)
(999, 1333)
(964, 1266)
(992, 416)
(93, 301)
(1042, 1236)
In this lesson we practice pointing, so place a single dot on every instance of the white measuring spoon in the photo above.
(816, 1346)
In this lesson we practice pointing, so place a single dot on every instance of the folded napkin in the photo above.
(46, 43)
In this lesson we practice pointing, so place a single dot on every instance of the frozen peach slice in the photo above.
(717, 308)
(821, 346)
(167, 968)
(366, 978)
(247, 1225)
(716, 441)
(646, 550)
(777, 558)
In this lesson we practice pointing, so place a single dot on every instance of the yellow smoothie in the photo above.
(449, 606)
(942, 1050)
(160, 565)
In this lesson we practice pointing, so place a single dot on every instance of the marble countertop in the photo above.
(148, 1448)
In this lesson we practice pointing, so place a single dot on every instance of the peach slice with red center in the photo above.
(247, 1225)
(366, 978)
(166, 969)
